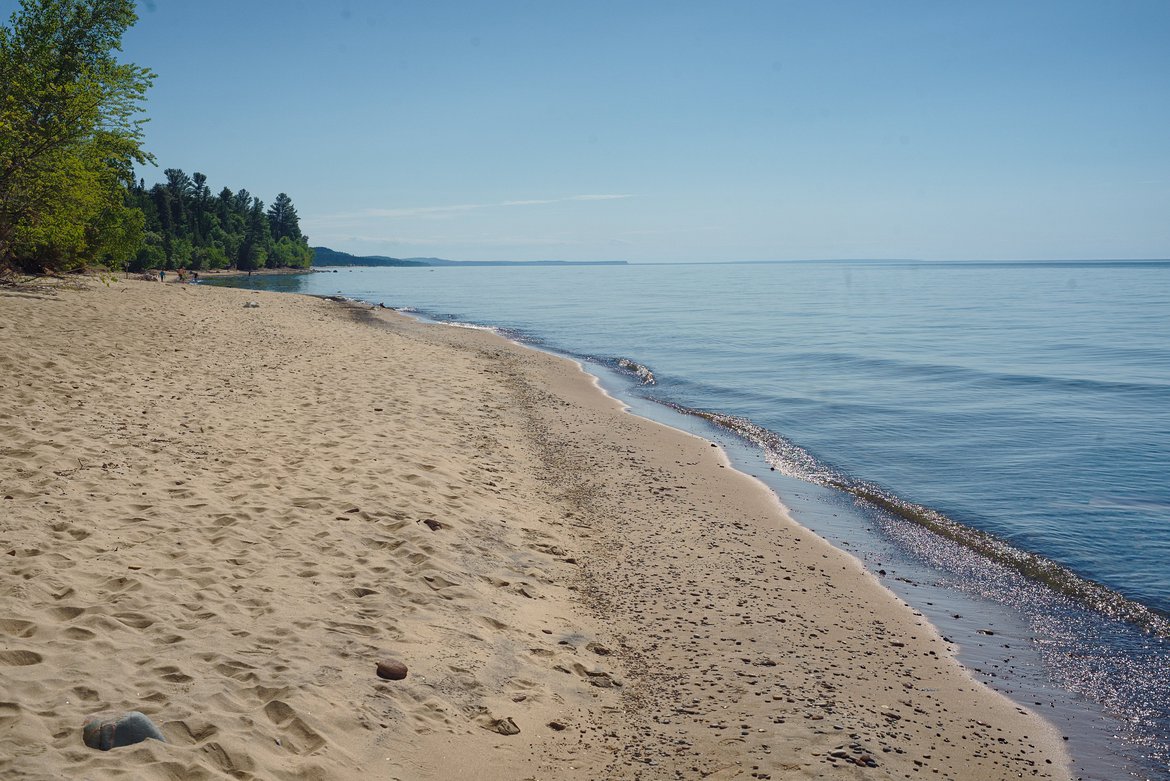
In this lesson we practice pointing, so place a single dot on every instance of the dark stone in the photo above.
(432, 524)
(105, 731)
(391, 670)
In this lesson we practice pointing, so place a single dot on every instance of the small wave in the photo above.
(792, 460)
(636, 369)
(472, 326)
(975, 377)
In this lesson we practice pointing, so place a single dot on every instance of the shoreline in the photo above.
(549, 593)
(224, 273)
(979, 607)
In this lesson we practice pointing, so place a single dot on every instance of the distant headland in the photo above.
(323, 256)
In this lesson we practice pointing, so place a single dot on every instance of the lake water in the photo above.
(994, 437)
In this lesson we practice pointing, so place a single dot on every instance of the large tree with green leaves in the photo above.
(70, 134)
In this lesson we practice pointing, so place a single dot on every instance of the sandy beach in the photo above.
(225, 516)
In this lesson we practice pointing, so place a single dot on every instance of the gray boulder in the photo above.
(105, 731)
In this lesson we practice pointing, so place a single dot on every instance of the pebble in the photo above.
(391, 670)
(105, 731)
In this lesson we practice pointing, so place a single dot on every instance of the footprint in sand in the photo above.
(20, 658)
(192, 733)
(10, 713)
(119, 584)
(173, 674)
(75, 532)
(360, 592)
(85, 694)
(299, 737)
(135, 620)
(15, 627)
(233, 763)
(363, 630)
(491, 623)
(237, 670)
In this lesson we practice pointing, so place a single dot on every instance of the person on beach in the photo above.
(162, 275)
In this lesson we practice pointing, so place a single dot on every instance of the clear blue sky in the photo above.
(678, 130)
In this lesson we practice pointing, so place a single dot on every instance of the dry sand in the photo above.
(216, 515)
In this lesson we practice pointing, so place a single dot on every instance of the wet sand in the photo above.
(226, 516)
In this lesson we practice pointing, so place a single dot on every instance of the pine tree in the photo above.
(283, 217)
(257, 244)
(208, 232)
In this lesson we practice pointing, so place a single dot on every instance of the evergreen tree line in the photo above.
(71, 120)
(186, 226)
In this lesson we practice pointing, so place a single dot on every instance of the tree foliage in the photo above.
(282, 216)
(70, 134)
(187, 227)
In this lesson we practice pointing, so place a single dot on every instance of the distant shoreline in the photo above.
(324, 257)
(223, 273)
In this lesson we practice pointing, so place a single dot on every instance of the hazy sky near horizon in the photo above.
(677, 130)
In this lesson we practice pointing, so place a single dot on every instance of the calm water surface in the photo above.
(1029, 401)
